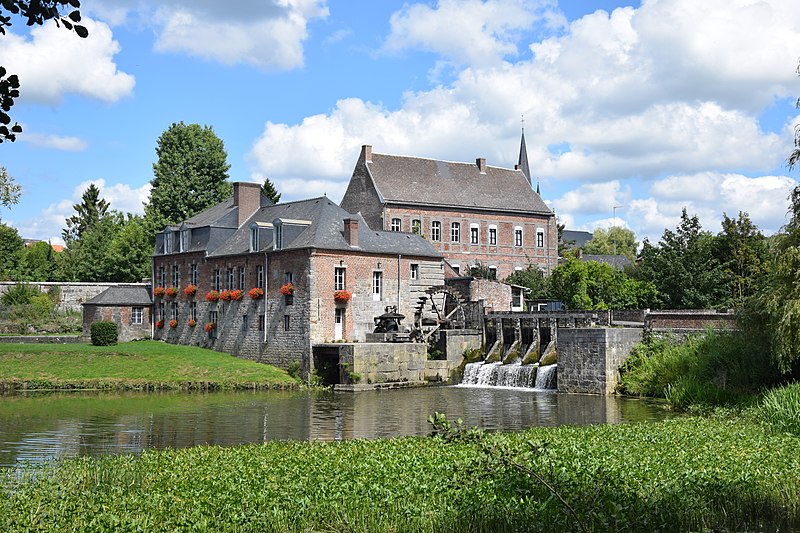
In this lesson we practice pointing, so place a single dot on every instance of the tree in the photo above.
(533, 278)
(89, 213)
(11, 248)
(190, 175)
(87, 258)
(270, 191)
(36, 12)
(37, 263)
(616, 240)
(129, 251)
(9, 191)
(744, 256)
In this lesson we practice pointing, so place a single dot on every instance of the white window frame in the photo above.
(339, 278)
(193, 273)
(173, 311)
(242, 277)
(230, 278)
(493, 272)
(184, 241)
(176, 276)
(456, 269)
(414, 271)
(436, 230)
(169, 244)
(396, 224)
(474, 234)
(192, 310)
(416, 226)
(260, 276)
(540, 238)
(492, 235)
(254, 238)
(455, 232)
(519, 236)
(377, 285)
(137, 315)
(216, 279)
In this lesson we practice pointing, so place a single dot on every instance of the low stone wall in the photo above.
(72, 295)
(689, 320)
(385, 362)
(589, 358)
(437, 371)
(44, 339)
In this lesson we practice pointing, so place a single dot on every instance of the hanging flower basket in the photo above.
(190, 290)
(288, 289)
(173, 323)
(192, 322)
(159, 292)
(255, 293)
(159, 324)
(342, 297)
(171, 292)
(237, 295)
(225, 296)
(212, 296)
(209, 327)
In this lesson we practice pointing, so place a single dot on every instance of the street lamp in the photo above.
(614, 211)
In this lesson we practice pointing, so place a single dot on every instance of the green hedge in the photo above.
(104, 333)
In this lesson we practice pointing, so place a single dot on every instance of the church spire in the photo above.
(523, 157)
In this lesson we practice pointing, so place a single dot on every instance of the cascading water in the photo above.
(500, 375)
(546, 377)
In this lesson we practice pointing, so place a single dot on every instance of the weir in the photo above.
(513, 375)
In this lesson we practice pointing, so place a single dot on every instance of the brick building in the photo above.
(128, 305)
(299, 254)
(472, 213)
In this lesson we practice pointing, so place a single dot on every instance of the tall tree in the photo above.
(34, 12)
(9, 191)
(37, 263)
(190, 175)
(533, 278)
(615, 240)
(11, 248)
(129, 251)
(88, 214)
(270, 191)
(744, 256)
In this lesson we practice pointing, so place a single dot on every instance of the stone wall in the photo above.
(589, 358)
(72, 295)
(686, 321)
(385, 362)
(126, 330)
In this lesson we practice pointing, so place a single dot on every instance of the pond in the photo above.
(43, 426)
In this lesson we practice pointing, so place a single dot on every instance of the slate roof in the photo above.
(580, 237)
(326, 231)
(130, 295)
(617, 261)
(420, 181)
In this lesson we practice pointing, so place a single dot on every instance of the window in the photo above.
(493, 235)
(215, 280)
(517, 236)
(161, 310)
(540, 238)
(193, 274)
(245, 324)
(473, 234)
(173, 311)
(260, 276)
(395, 224)
(377, 286)
(162, 276)
(193, 310)
(414, 271)
(455, 232)
(286, 322)
(169, 246)
(241, 278)
(339, 278)
(229, 278)
(436, 230)
(262, 323)
(176, 276)
(416, 226)
(136, 315)
(492, 272)
(456, 269)
(184, 244)
(288, 277)
(254, 238)
(279, 236)
(213, 317)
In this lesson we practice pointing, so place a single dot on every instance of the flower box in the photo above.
(173, 323)
(158, 292)
(237, 295)
(225, 296)
(342, 297)
(287, 289)
(192, 323)
(212, 296)
(209, 327)
(255, 293)
(190, 290)
(171, 292)
(159, 324)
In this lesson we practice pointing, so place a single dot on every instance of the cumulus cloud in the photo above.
(54, 142)
(592, 198)
(52, 62)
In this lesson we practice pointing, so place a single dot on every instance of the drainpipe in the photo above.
(266, 277)
(152, 305)
(399, 257)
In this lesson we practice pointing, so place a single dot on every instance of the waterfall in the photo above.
(546, 377)
(500, 375)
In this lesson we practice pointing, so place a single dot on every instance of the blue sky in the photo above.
(650, 106)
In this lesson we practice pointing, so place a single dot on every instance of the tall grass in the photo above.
(780, 408)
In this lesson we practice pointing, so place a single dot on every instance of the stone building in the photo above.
(269, 282)
(127, 305)
(472, 213)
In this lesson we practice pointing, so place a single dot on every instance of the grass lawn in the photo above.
(131, 365)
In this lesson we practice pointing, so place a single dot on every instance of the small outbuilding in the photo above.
(127, 305)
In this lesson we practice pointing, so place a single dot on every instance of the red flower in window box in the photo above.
(237, 295)
(173, 323)
(209, 327)
(159, 324)
(192, 322)
(190, 290)
(287, 289)
(255, 293)
(171, 292)
(212, 296)
(225, 296)
(342, 297)
(158, 292)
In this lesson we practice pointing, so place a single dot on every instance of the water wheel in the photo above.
(440, 308)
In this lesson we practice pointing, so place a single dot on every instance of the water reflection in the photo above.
(41, 427)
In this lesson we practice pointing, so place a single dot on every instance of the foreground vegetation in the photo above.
(141, 365)
(680, 474)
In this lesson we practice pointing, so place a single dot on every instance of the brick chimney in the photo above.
(247, 197)
(481, 162)
(366, 152)
(517, 167)
(351, 231)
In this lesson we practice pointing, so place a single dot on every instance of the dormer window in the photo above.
(184, 242)
(169, 246)
(253, 238)
(278, 236)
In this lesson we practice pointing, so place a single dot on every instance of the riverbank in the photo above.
(680, 474)
(140, 365)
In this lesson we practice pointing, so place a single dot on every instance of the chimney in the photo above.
(247, 197)
(366, 152)
(517, 167)
(481, 162)
(351, 231)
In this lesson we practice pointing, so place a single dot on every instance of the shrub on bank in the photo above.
(104, 333)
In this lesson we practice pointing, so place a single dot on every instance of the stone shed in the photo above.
(127, 305)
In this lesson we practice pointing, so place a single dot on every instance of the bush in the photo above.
(19, 294)
(104, 333)
(692, 393)
(781, 408)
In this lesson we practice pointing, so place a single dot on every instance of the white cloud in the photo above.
(592, 198)
(54, 62)
(55, 142)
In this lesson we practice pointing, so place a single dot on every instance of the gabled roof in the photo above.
(123, 295)
(420, 181)
(579, 237)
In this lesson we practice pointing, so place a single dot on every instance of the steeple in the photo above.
(523, 157)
